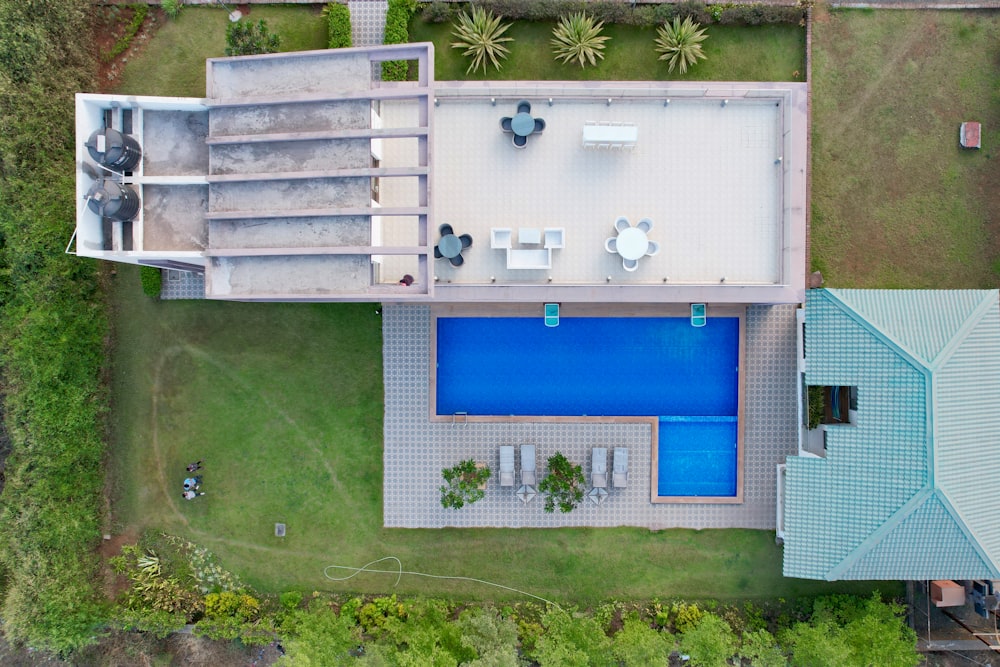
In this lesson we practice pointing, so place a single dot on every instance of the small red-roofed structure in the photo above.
(969, 135)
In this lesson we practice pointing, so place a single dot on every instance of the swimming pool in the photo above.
(606, 366)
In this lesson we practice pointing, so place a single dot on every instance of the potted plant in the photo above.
(465, 483)
(563, 485)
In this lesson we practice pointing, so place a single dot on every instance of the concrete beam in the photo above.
(314, 212)
(357, 172)
(358, 133)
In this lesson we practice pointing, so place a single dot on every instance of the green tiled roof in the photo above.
(908, 491)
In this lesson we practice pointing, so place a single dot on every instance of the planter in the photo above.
(465, 483)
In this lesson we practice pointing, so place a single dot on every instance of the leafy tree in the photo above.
(637, 644)
(761, 649)
(492, 637)
(338, 25)
(245, 38)
(481, 35)
(679, 43)
(563, 485)
(571, 640)
(463, 482)
(856, 631)
(578, 37)
(711, 643)
(319, 636)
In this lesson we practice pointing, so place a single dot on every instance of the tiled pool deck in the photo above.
(416, 450)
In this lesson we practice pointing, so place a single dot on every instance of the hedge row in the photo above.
(623, 12)
(338, 25)
(397, 31)
(51, 341)
(123, 42)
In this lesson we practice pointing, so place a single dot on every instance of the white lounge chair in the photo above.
(507, 465)
(620, 476)
(528, 465)
(599, 467)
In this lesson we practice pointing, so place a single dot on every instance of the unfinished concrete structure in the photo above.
(300, 177)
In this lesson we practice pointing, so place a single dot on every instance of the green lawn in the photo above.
(174, 60)
(895, 201)
(765, 53)
(284, 404)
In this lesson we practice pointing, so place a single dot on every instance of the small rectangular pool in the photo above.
(606, 367)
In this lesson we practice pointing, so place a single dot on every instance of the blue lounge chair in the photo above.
(552, 314)
(505, 124)
(539, 126)
(524, 106)
(457, 260)
(519, 141)
(466, 240)
(698, 317)
(445, 230)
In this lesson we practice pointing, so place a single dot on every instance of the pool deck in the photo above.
(416, 448)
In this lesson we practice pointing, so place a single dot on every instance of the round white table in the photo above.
(632, 243)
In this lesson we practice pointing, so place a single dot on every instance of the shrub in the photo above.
(152, 280)
(680, 44)
(578, 37)
(563, 485)
(711, 643)
(123, 42)
(481, 35)
(761, 14)
(692, 9)
(438, 12)
(463, 482)
(397, 31)
(172, 8)
(338, 25)
(245, 38)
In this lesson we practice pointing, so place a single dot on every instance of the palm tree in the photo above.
(481, 35)
(680, 43)
(578, 38)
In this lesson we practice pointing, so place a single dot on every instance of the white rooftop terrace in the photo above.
(718, 168)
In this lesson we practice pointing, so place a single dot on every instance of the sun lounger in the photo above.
(599, 468)
(527, 465)
(507, 465)
(620, 476)
(698, 317)
(551, 315)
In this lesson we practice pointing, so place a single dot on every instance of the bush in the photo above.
(397, 31)
(51, 342)
(172, 8)
(696, 11)
(244, 38)
(152, 281)
(338, 25)
(563, 485)
(761, 14)
(438, 12)
(121, 46)
(462, 484)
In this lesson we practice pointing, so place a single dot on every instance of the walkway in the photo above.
(416, 450)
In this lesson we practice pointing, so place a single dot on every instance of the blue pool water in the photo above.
(606, 367)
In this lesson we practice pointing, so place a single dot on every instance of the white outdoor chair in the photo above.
(630, 264)
(507, 465)
(620, 476)
(652, 248)
(611, 245)
(645, 225)
(621, 224)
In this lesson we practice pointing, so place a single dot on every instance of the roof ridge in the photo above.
(975, 316)
(880, 533)
(945, 500)
(904, 351)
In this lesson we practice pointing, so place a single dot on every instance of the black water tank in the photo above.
(114, 150)
(113, 200)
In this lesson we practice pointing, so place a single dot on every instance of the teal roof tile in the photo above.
(903, 493)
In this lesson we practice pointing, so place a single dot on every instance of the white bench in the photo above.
(610, 135)
(529, 258)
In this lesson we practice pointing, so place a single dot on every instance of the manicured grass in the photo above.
(174, 60)
(733, 53)
(283, 402)
(895, 201)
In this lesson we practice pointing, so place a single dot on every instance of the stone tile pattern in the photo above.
(182, 285)
(416, 450)
(367, 21)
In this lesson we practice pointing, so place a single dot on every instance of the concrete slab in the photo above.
(291, 194)
(261, 277)
(290, 232)
(174, 143)
(286, 156)
(314, 116)
(173, 217)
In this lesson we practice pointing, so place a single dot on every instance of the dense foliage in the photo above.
(628, 13)
(338, 25)
(54, 325)
(152, 280)
(123, 42)
(246, 38)
(464, 484)
(397, 31)
(563, 486)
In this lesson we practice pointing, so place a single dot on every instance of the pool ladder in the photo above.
(454, 418)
